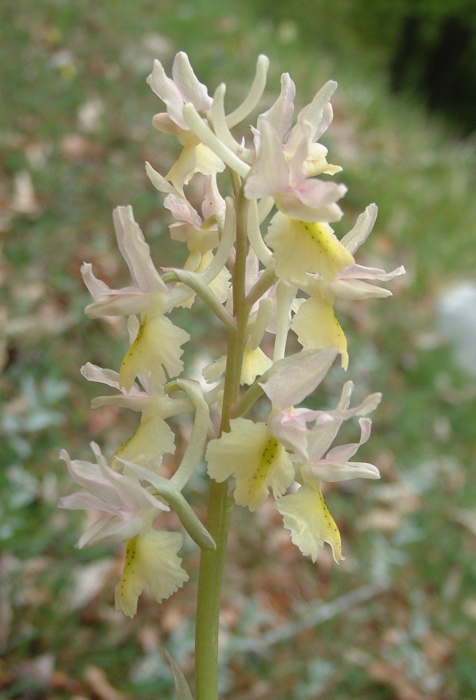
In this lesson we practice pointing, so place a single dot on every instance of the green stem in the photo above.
(209, 592)
(220, 503)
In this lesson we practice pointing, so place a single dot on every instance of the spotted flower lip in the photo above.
(309, 521)
(254, 458)
(151, 560)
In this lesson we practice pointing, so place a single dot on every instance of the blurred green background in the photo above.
(398, 617)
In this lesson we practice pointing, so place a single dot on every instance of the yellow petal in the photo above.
(157, 345)
(301, 247)
(208, 163)
(317, 328)
(220, 285)
(254, 458)
(306, 515)
(183, 168)
(195, 158)
(151, 560)
(255, 363)
(151, 440)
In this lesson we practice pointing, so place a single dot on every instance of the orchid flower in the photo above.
(201, 235)
(153, 438)
(299, 233)
(315, 322)
(255, 453)
(128, 513)
(305, 512)
(282, 172)
(184, 88)
(157, 342)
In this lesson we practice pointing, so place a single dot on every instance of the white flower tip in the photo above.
(61, 504)
(64, 456)
(220, 92)
(262, 63)
(88, 371)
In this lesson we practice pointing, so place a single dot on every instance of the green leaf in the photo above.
(181, 685)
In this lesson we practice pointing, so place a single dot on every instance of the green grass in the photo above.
(403, 532)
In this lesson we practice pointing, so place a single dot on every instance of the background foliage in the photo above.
(397, 618)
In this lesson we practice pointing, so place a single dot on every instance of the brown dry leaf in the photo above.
(171, 619)
(89, 580)
(75, 146)
(386, 673)
(465, 517)
(61, 681)
(380, 519)
(100, 685)
(437, 648)
(39, 669)
(397, 495)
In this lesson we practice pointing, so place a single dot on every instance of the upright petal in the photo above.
(191, 89)
(169, 93)
(363, 227)
(136, 251)
(280, 115)
(269, 173)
